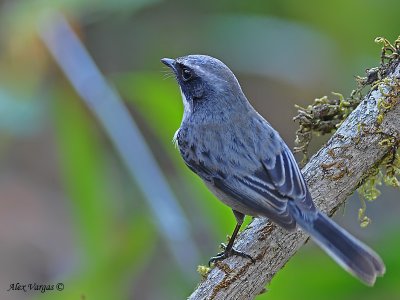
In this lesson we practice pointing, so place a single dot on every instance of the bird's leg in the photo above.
(228, 249)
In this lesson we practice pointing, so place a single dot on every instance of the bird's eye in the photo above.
(186, 74)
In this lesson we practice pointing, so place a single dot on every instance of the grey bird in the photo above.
(248, 166)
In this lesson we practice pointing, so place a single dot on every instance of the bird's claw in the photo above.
(227, 253)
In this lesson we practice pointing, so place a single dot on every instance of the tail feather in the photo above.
(354, 256)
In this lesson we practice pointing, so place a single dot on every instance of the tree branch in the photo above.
(332, 175)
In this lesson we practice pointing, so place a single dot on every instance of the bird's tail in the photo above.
(354, 256)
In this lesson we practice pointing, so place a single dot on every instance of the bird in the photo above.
(245, 163)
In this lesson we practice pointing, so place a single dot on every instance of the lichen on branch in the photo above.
(326, 114)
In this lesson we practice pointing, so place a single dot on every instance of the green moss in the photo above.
(326, 114)
(389, 51)
(203, 271)
(387, 172)
(368, 191)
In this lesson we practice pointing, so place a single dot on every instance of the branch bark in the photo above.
(332, 175)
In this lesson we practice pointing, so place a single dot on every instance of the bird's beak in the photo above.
(169, 62)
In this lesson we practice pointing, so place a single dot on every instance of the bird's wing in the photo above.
(265, 189)
(282, 172)
(270, 188)
(265, 184)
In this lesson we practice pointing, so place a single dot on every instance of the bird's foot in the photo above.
(227, 253)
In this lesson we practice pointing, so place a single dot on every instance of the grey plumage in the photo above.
(247, 165)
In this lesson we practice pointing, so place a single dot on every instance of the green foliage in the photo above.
(147, 91)
(82, 163)
(112, 248)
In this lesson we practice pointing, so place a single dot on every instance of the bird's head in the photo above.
(208, 86)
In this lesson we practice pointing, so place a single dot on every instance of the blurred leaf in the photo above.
(83, 168)
(21, 13)
(158, 101)
(112, 277)
(20, 20)
(274, 54)
(112, 249)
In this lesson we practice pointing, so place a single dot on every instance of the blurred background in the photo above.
(105, 205)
